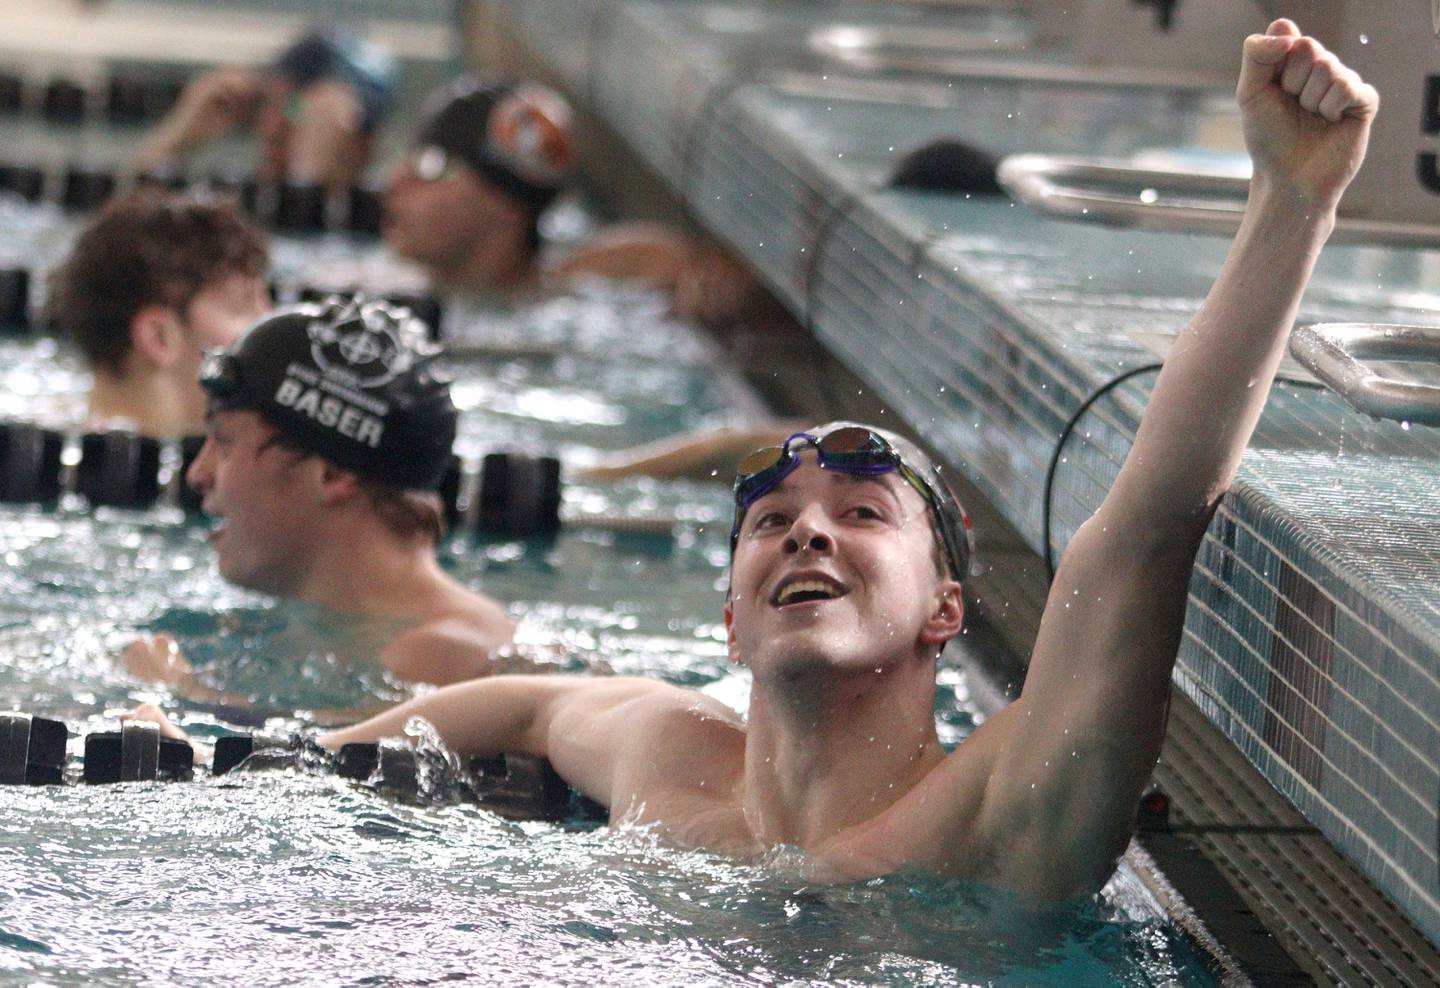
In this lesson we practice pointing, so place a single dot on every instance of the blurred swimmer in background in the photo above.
(312, 112)
(488, 159)
(328, 430)
(153, 281)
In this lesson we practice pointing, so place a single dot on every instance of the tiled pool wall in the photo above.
(1313, 634)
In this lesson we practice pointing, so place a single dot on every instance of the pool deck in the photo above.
(1312, 640)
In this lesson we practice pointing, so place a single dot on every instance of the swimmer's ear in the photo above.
(730, 632)
(158, 336)
(337, 485)
(948, 617)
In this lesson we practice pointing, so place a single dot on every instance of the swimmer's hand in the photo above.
(1306, 115)
(322, 143)
(150, 713)
(157, 659)
(212, 105)
(713, 287)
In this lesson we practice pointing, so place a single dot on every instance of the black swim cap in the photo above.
(354, 381)
(516, 137)
(339, 52)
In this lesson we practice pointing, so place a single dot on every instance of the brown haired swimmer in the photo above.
(488, 159)
(153, 280)
(846, 584)
(328, 428)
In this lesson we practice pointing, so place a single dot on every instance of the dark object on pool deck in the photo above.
(85, 189)
(300, 208)
(32, 750)
(29, 463)
(63, 102)
(947, 166)
(25, 181)
(14, 299)
(136, 753)
(12, 93)
(519, 495)
(366, 210)
(119, 469)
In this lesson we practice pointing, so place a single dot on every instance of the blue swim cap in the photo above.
(337, 51)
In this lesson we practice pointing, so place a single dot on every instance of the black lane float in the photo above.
(522, 787)
(512, 495)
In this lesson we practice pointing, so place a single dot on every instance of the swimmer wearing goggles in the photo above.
(863, 451)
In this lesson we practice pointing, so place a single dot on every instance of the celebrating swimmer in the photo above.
(328, 429)
(848, 557)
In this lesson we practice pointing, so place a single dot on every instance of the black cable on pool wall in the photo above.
(1095, 396)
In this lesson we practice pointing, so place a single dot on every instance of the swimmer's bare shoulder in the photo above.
(679, 761)
(457, 641)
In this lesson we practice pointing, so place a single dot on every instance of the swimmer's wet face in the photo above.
(439, 212)
(263, 495)
(222, 310)
(836, 571)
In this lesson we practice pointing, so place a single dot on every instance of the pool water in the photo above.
(297, 878)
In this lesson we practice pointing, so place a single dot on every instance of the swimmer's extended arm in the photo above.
(608, 738)
(212, 105)
(704, 282)
(1079, 744)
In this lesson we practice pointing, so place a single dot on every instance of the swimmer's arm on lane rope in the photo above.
(592, 730)
(1079, 744)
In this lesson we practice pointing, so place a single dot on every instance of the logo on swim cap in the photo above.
(529, 131)
(364, 353)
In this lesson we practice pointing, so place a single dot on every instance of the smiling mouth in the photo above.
(807, 591)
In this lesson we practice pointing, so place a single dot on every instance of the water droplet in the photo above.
(1149, 196)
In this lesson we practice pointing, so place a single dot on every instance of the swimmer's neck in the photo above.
(832, 751)
(152, 404)
(371, 572)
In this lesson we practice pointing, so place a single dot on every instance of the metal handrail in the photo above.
(1176, 200)
(1334, 352)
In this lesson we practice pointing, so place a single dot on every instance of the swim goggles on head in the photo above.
(431, 163)
(853, 450)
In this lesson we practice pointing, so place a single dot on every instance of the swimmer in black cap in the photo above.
(328, 429)
(486, 162)
(845, 585)
(312, 112)
(152, 281)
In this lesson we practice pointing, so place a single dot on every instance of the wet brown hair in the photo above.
(407, 513)
(147, 247)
